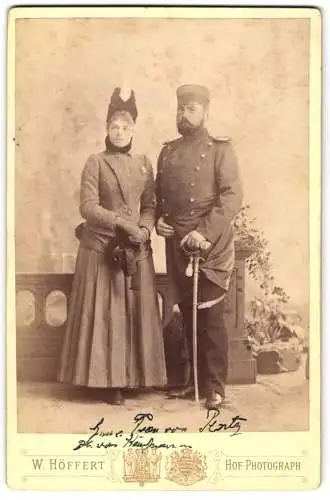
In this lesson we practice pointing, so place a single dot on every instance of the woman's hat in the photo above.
(122, 100)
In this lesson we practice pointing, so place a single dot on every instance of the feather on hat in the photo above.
(122, 99)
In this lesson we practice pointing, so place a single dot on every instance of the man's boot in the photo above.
(188, 390)
(214, 401)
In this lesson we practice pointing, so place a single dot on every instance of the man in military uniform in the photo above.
(198, 195)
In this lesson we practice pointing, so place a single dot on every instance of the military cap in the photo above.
(122, 100)
(190, 92)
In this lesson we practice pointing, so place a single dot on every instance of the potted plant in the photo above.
(273, 331)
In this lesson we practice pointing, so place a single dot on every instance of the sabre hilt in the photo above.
(193, 255)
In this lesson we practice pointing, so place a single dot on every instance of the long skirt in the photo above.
(113, 334)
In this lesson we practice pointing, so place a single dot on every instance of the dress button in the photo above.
(166, 214)
(129, 211)
(163, 200)
(192, 200)
(203, 155)
(210, 143)
(192, 184)
(197, 168)
(191, 212)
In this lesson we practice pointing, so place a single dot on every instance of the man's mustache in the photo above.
(184, 121)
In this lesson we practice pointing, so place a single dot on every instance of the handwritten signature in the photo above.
(213, 424)
(134, 439)
(138, 436)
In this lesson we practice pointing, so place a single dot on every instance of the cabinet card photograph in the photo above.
(163, 248)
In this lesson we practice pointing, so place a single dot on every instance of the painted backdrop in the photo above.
(257, 72)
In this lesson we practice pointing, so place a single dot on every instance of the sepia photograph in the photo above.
(162, 238)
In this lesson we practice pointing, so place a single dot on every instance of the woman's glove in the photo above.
(141, 238)
(136, 235)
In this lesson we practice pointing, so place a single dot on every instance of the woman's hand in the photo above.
(141, 237)
(136, 235)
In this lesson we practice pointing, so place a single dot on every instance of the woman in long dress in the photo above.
(113, 338)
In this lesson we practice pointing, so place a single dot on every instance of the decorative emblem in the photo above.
(142, 466)
(186, 467)
(113, 457)
(216, 476)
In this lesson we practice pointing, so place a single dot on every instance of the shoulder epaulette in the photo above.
(174, 141)
(221, 138)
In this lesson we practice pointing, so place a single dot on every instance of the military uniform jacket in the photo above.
(198, 187)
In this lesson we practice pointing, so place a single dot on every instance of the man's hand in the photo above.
(79, 230)
(164, 229)
(194, 241)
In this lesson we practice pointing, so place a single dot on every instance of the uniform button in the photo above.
(191, 212)
(163, 200)
(192, 184)
(203, 155)
(129, 211)
(166, 214)
(192, 200)
(197, 168)
(210, 143)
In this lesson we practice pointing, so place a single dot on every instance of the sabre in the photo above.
(193, 270)
(195, 304)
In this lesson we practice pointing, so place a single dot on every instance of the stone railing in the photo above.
(41, 304)
(41, 309)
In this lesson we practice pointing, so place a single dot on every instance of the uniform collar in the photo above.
(198, 134)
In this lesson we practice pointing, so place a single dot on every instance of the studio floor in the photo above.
(275, 403)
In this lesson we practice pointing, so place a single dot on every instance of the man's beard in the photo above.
(186, 128)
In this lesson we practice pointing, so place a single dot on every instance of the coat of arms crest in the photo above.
(186, 467)
(142, 466)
